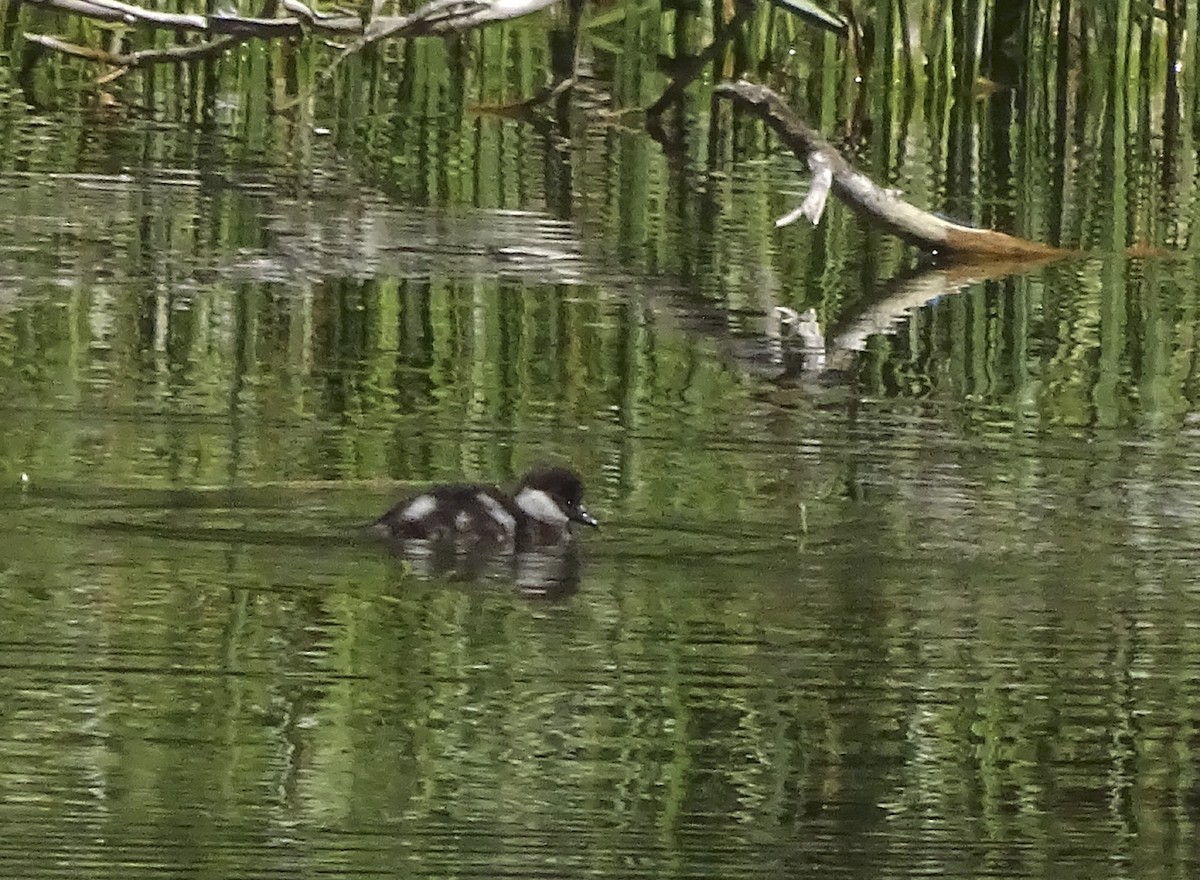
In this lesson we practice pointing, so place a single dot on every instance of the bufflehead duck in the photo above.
(539, 512)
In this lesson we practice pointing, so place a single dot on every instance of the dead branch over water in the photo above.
(882, 207)
(444, 17)
(299, 19)
(436, 17)
(140, 58)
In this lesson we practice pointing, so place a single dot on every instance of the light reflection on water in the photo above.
(947, 672)
(934, 617)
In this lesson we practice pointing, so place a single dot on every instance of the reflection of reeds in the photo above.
(1074, 144)
(188, 376)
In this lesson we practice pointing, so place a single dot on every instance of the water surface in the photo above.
(930, 613)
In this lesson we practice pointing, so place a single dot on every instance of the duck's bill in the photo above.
(582, 516)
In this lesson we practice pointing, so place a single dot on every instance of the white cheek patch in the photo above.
(497, 512)
(541, 506)
(420, 507)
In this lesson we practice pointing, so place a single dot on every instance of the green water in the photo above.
(930, 612)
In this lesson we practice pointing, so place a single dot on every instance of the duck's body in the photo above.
(452, 511)
(538, 513)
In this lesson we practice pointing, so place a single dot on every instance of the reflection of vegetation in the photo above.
(992, 158)
(982, 644)
(835, 694)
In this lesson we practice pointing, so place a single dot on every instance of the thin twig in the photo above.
(114, 10)
(140, 58)
(440, 17)
(236, 25)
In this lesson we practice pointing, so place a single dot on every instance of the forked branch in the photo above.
(436, 17)
(880, 206)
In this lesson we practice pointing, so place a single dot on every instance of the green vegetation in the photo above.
(240, 304)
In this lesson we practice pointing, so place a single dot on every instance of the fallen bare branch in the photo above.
(452, 16)
(321, 21)
(81, 7)
(880, 206)
(262, 28)
(425, 20)
(441, 17)
(436, 17)
(303, 17)
(141, 58)
(114, 10)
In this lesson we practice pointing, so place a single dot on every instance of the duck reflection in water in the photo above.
(474, 530)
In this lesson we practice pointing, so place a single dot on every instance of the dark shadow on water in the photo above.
(541, 572)
(544, 572)
(228, 535)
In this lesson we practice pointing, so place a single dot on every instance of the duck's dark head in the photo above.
(554, 496)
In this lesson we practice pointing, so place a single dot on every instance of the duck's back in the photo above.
(463, 512)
